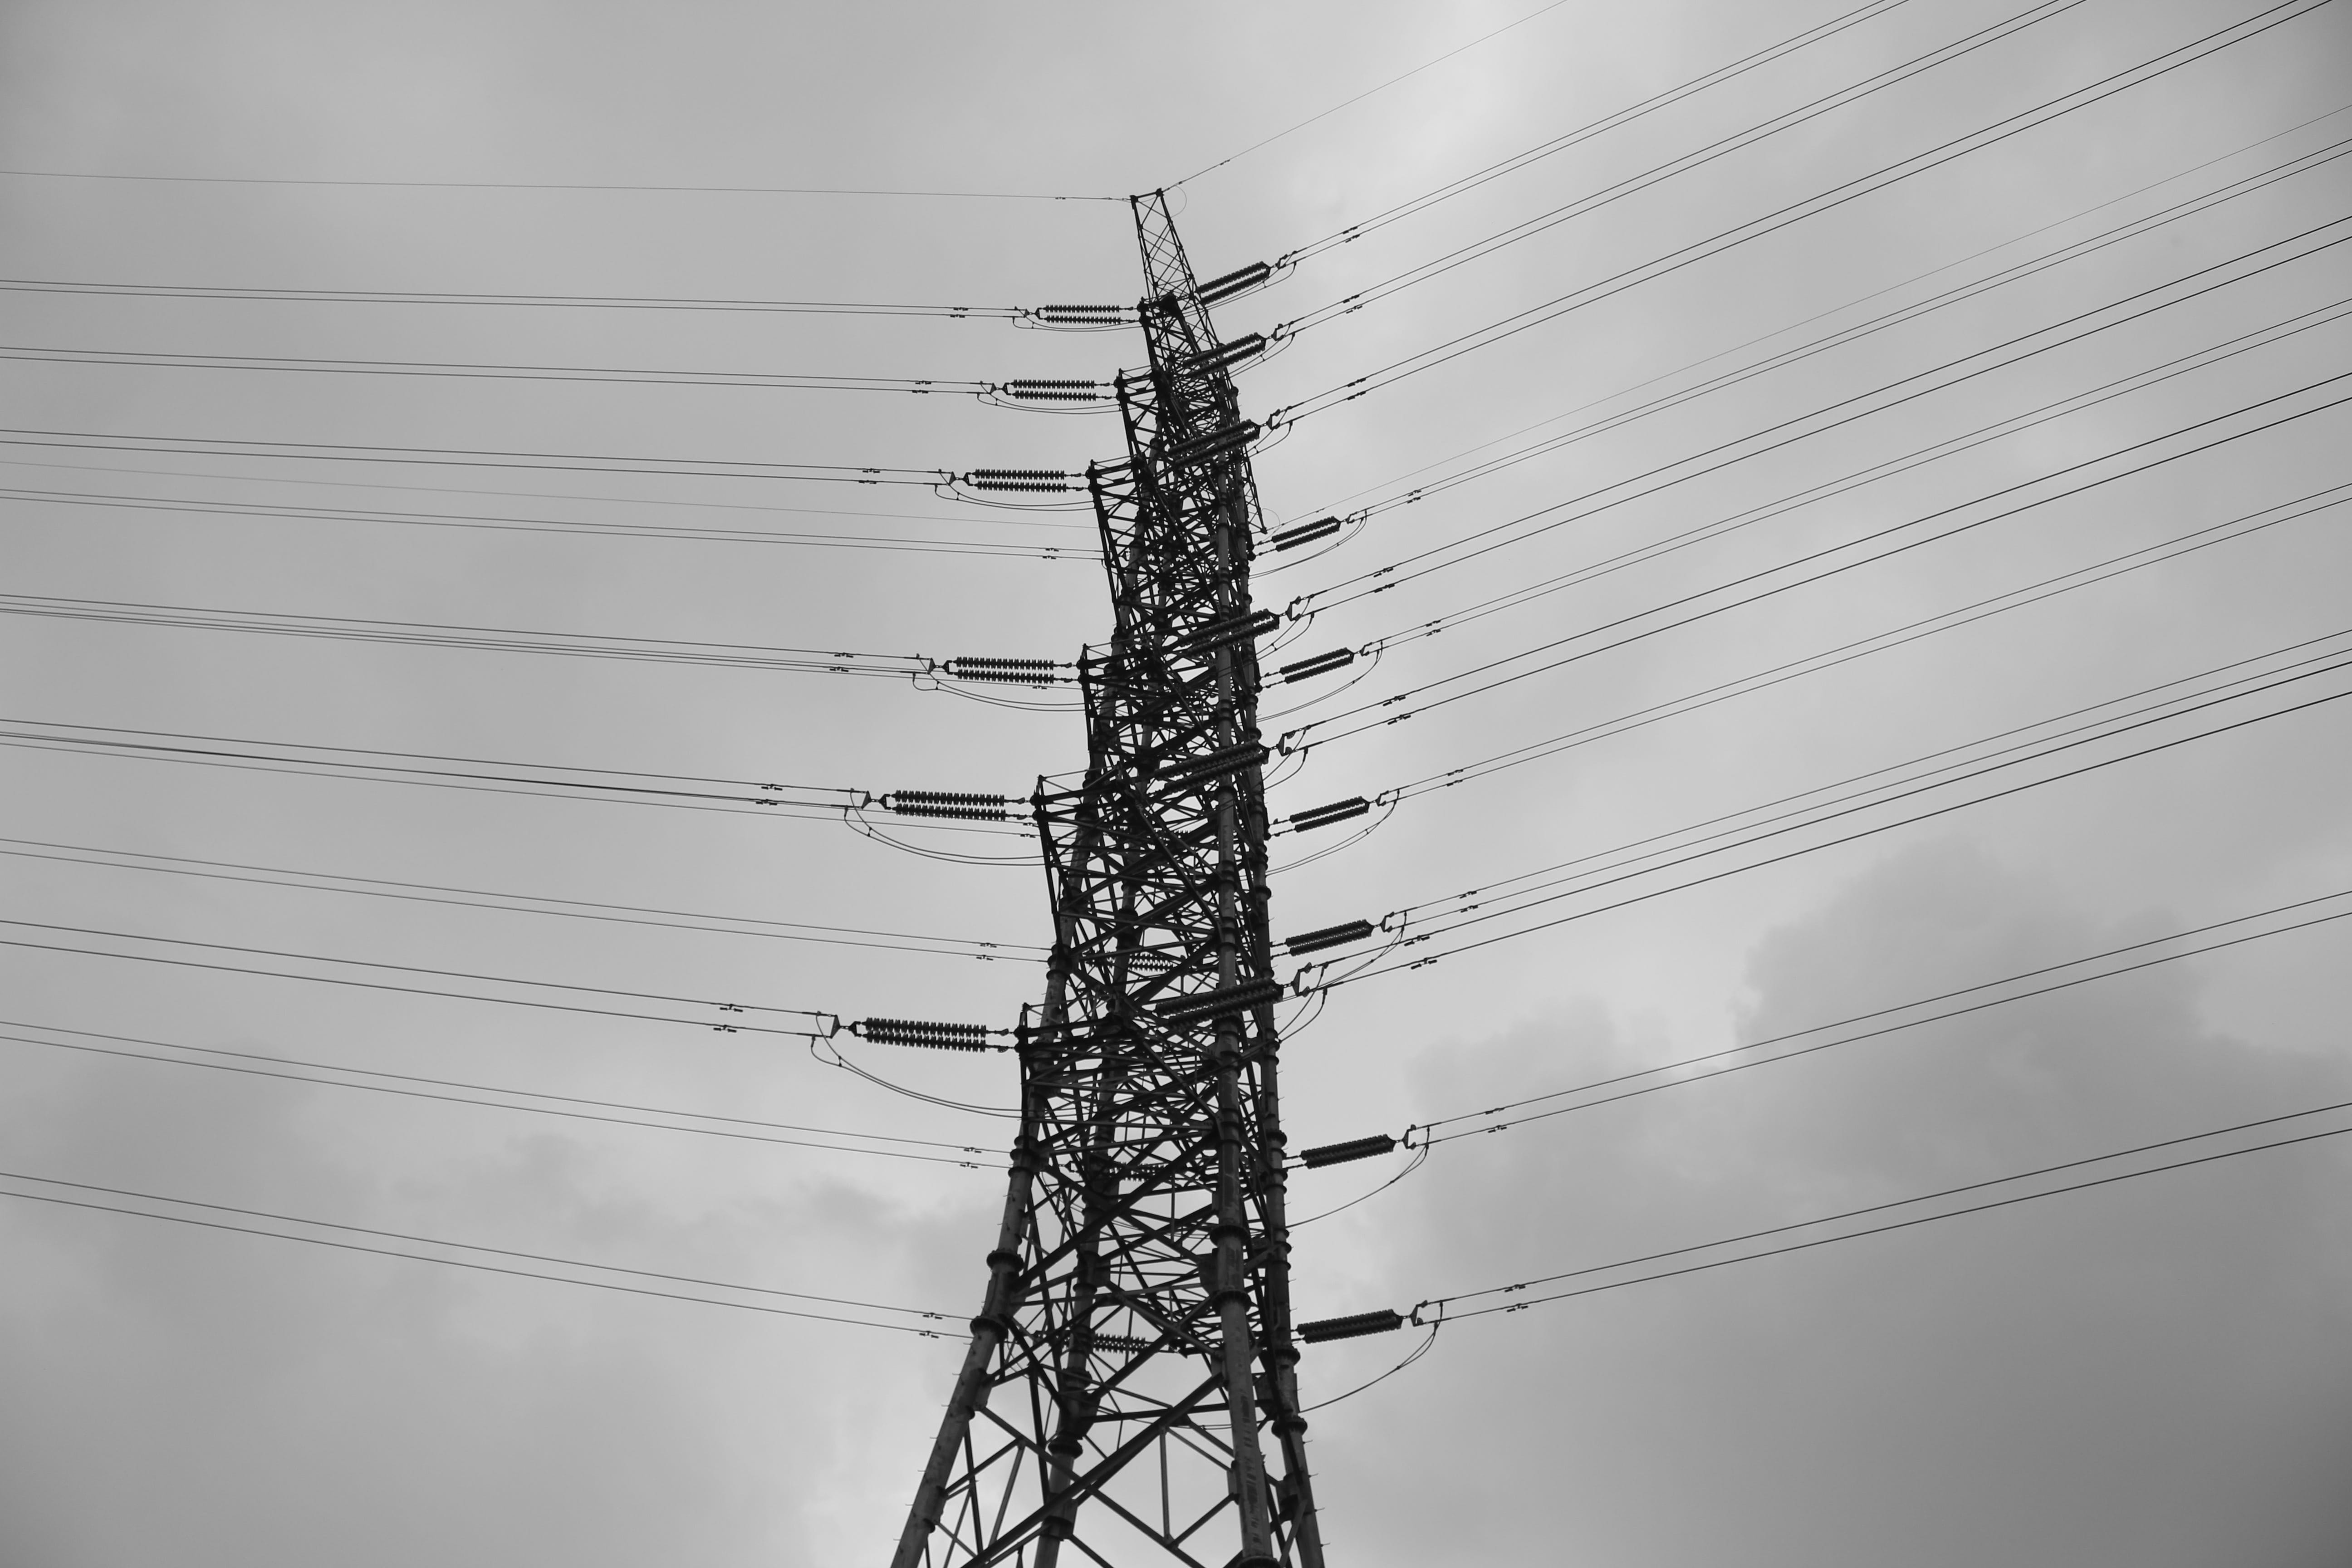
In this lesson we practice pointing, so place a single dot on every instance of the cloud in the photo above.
(199, 1398)
(2145, 1374)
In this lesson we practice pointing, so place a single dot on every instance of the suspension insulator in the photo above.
(1307, 533)
(1049, 481)
(1340, 1154)
(1202, 1006)
(1224, 356)
(1200, 448)
(1125, 1345)
(1329, 936)
(1055, 391)
(1325, 816)
(1214, 764)
(1321, 664)
(1241, 280)
(1325, 1329)
(922, 1032)
(1083, 315)
(1016, 672)
(1245, 628)
(940, 802)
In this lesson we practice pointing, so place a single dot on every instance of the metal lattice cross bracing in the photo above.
(1129, 1395)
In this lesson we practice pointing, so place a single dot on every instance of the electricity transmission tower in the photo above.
(1131, 1384)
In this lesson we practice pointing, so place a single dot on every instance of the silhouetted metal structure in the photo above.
(1129, 1395)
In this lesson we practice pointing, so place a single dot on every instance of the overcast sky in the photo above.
(2149, 1373)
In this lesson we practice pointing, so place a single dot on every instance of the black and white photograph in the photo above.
(1514, 781)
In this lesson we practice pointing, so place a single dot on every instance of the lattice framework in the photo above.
(1132, 1371)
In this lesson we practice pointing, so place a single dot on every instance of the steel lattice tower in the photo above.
(1134, 1361)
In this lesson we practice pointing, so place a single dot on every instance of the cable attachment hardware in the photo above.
(1307, 533)
(1327, 936)
(1014, 671)
(1217, 764)
(923, 1031)
(941, 803)
(1225, 356)
(1340, 1154)
(1213, 443)
(1383, 1321)
(1050, 392)
(1247, 626)
(1321, 664)
(1325, 816)
(1203, 1006)
(1079, 318)
(1236, 283)
(1035, 481)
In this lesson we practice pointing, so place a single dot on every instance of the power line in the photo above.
(635, 781)
(1973, 759)
(520, 903)
(1971, 753)
(2200, 359)
(440, 456)
(1957, 294)
(2238, 528)
(540, 781)
(2309, 667)
(464, 1247)
(701, 1123)
(1061, 317)
(265, 511)
(998, 519)
(1380, 966)
(1810, 207)
(724, 1017)
(1442, 1303)
(502, 640)
(1431, 1135)
(1384, 87)
(1060, 396)
(1290, 741)
(1591, 129)
(1943, 54)
(551, 185)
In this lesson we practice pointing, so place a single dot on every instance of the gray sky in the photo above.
(2149, 1373)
